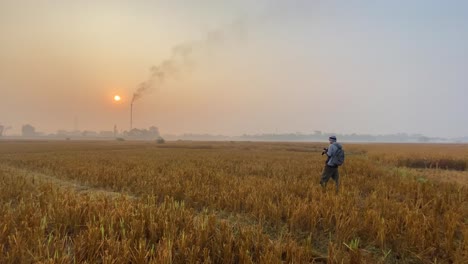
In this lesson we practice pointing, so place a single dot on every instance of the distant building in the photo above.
(89, 133)
(106, 133)
(151, 133)
(28, 131)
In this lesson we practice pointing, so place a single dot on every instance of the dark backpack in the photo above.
(339, 156)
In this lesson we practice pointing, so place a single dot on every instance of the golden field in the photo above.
(231, 202)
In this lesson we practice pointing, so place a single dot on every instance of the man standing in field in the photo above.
(335, 158)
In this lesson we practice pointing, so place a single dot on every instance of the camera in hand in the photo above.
(324, 151)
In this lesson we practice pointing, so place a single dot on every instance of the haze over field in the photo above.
(234, 67)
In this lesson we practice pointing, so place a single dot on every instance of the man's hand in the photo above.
(325, 150)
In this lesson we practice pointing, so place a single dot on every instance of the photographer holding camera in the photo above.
(335, 158)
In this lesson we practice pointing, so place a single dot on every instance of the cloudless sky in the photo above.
(280, 66)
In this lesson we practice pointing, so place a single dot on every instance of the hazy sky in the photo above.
(254, 66)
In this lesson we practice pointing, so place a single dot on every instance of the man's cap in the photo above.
(332, 138)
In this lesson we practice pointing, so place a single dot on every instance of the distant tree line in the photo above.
(29, 131)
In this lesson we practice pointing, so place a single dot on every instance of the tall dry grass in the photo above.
(226, 203)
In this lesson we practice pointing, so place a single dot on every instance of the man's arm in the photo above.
(331, 150)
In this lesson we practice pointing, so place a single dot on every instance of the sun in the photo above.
(117, 98)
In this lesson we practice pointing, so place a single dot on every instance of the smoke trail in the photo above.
(183, 56)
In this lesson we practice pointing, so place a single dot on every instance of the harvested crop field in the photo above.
(231, 202)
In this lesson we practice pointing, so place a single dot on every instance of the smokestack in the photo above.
(131, 115)
(75, 124)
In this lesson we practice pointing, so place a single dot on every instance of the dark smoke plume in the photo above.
(183, 56)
